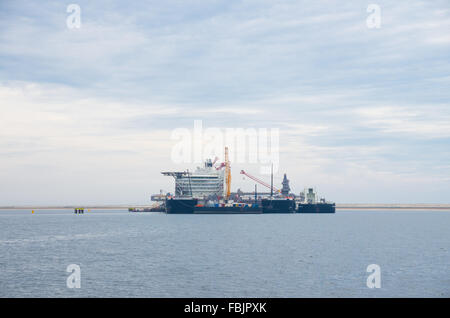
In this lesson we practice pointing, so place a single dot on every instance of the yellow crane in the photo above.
(227, 175)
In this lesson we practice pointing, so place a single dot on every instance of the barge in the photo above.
(278, 205)
(316, 208)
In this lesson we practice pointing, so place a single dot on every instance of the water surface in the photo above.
(123, 254)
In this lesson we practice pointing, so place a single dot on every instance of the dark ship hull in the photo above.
(191, 206)
(278, 206)
(180, 206)
(316, 208)
(227, 210)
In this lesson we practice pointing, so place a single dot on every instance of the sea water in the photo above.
(123, 254)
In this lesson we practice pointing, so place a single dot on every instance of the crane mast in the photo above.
(227, 175)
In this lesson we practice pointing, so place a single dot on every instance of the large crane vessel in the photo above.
(207, 190)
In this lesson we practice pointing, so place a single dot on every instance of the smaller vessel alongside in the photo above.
(310, 204)
(316, 208)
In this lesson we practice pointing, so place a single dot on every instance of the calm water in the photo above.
(124, 254)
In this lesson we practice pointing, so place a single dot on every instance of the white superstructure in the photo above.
(204, 182)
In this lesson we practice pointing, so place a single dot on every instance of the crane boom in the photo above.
(260, 181)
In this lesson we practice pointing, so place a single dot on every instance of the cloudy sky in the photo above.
(86, 114)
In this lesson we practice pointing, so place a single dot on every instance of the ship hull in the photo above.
(180, 206)
(278, 206)
(316, 208)
(227, 210)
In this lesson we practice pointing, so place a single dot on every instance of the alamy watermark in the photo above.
(74, 279)
(374, 279)
(373, 21)
(246, 145)
(73, 21)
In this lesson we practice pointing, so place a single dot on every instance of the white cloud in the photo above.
(356, 106)
(428, 122)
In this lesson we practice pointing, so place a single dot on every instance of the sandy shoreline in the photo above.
(393, 206)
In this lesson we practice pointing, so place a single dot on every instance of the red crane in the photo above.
(260, 181)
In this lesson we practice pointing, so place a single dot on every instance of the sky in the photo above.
(87, 114)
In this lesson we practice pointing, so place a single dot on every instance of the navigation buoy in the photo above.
(32, 211)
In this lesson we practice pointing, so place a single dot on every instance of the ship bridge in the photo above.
(202, 183)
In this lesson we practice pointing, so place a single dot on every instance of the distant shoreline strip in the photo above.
(341, 206)
(392, 208)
